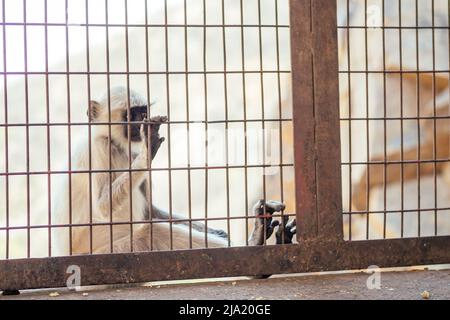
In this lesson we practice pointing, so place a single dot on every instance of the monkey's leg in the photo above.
(199, 226)
(176, 237)
(393, 172)
(161, 236)
(183, 238)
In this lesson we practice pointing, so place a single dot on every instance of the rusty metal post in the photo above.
(316, 118)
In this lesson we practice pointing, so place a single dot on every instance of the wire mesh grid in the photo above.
(216, 67)
(218, 70)
(394, 79)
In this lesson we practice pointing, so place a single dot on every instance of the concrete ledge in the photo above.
(394, 285)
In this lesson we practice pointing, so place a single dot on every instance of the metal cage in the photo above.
(324, 241)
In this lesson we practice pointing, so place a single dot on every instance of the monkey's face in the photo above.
(134, 114)
(126, 121)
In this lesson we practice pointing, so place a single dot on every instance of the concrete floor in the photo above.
(394, 285)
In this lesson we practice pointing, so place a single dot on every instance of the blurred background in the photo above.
(394, 64)
(44, 60)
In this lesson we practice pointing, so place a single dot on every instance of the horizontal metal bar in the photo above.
(141, 25)
(396, 162)
(223, 218)
(149, 222)
(392, 71)
(125, 73)
(395, 211)
(396, 118)
(308, 256)
(395, 27)
(66, 124)
(93, 171)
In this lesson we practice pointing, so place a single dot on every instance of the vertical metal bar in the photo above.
(433, 19)
(188, 140)
(225, 84)
(205, 84)
(244, 97)
(384, 124)
(169, 141)
(349, 79)
(110, 166)
(326, 101)
(88, 68)
(303, 116)
(27, 121)
(366, 66)
(5, 88)
(127, 58)
(448, 56)
(316, 119)
(49, 167)
(402, 194)
(280, 111)
(149, 156)
(69, 127)
(418, 121)
(261, 74)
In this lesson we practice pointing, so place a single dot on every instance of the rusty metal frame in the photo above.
(320, 247)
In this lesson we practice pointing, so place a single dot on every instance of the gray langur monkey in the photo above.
(101, 193)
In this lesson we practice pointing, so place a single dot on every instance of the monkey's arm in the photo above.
(155, 139)
(120, 187)
(264, 224)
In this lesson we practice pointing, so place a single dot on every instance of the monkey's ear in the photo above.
(93, 110)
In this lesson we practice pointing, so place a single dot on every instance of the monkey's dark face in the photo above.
(135, 114)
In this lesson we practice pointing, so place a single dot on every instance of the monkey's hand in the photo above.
(286, 231)
(155, 140)
(264, 223)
